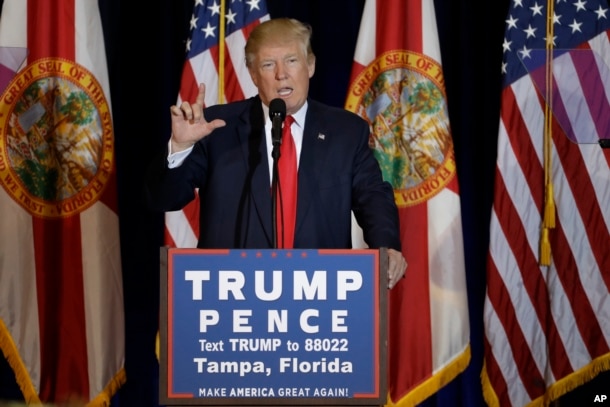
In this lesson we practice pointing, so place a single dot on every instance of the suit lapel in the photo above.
(313, 157)
(254, 148)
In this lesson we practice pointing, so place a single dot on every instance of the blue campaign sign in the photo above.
(272, 324)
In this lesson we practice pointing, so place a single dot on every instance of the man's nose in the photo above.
(281, 72)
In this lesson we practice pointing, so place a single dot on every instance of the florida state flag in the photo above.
(397, 86)
(61, 292)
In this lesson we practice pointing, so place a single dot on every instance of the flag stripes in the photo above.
(547, 327)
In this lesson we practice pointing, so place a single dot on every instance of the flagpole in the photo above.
(549, 205)
(221, 54)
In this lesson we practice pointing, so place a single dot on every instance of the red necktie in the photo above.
(287, 196)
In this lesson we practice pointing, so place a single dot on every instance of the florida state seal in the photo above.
(56, 138)
(401, 95)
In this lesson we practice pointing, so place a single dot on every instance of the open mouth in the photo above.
(283, 92)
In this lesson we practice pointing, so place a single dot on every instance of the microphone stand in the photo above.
(276, 139)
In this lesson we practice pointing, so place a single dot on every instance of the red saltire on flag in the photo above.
(546, 310)
(397, 85)
(225, 81)
(61, 291)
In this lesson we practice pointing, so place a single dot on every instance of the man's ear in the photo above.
(311, 66)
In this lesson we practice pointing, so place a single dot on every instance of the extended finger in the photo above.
(200, 100)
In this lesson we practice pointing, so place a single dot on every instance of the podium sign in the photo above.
(273, 327)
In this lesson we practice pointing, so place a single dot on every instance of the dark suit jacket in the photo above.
(337, 173)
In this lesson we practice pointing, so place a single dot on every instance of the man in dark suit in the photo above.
(225, 151)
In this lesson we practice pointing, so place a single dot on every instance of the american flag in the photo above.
(397, 85)
(546, 312)
(221, 66)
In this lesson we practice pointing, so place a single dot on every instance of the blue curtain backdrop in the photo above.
(145, 43)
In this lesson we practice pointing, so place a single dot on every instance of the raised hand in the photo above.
(188, 123)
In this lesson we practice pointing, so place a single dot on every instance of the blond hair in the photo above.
(279, 31)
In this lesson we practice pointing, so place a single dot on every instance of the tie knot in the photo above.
(287, 123)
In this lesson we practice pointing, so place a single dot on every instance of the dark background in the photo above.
(145, 44)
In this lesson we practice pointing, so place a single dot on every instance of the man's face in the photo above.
(282, 71)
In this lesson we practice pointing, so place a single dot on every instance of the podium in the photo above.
(273, 327)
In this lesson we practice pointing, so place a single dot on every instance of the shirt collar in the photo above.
(299, 116)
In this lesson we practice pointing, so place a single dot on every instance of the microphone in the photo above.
(277, 114)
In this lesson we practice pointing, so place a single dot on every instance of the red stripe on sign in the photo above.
(57, 242)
